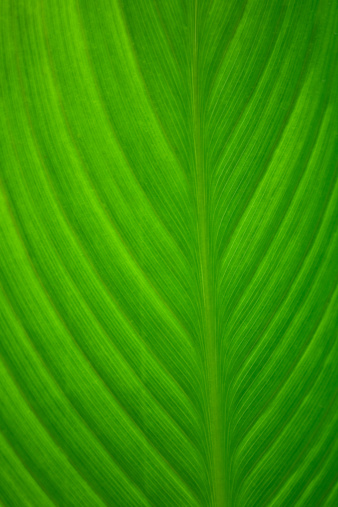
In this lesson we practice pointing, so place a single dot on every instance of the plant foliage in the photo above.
(168, 265)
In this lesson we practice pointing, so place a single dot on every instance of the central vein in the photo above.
(206, 277)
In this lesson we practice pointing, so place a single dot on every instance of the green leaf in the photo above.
(168, 258)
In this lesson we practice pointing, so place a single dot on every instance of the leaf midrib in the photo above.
(205, 271)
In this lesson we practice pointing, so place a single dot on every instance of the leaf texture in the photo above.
(168, 258)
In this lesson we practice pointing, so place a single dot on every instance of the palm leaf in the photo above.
(168, 253)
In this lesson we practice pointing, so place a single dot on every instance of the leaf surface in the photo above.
(168, 259)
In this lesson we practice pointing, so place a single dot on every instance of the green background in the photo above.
(168, 253)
